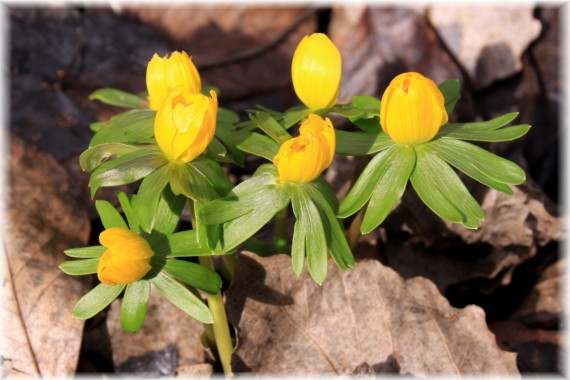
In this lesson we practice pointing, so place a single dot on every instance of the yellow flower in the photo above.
(316, 71)
(127, 258)
(303, 158)
(185, 124)
(412, 109)
(165, 74)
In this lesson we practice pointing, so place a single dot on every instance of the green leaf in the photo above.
(256, 144)
(134, 305)
(182, 297)
(396, 168)
(109, 215)
(451, 93)
(80, 267)
(326, 191)
(93, 157)
(180, 244)
(242, 228)
(146, 202)
(168, 212)
(194, 275)
(86, 252)
(294, 116)
(362, 189)
(336, 239)
(503, 134)
(96, 300)
(200, 180)
(360, 143)
(126, 169)
(225, 131)
(442, 191)
(479, 164)
(488, 125)
(217, 151)
(367, 103)
(311, 227)
(298, 246)
(236, 204)
(489, 130)
(211, 173)
(126, 204)
(118, 98)
(132, 127)
(270, 126)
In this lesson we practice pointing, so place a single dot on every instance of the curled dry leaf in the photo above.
(40, 337)
(543, 306)
(515, 228)
(289, 325)
(168, 339)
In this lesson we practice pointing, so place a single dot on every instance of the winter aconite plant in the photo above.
(176, 140)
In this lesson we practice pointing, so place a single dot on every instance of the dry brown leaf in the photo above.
(537, 350)
(378, 43)
(543, 306)
(368, 314)
(43, 219)
(168, 339)
(489, 41)
(515, 228)
(245, 51)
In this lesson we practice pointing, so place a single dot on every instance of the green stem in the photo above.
(221, 327)
(353, 233)
(229, 266)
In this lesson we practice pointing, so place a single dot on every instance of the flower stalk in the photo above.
(223, 339)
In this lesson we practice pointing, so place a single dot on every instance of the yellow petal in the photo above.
(165, 74)
(316, 71)
(126, 259)
(303, 158)
(185, 124)
(412, 109)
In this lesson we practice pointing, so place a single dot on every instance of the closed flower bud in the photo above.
(303, 158)
(185, 124)
(165, 74)
(316, 71)
(127, 258)
(412, 109)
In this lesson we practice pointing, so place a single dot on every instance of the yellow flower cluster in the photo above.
(185, 120)
(303, 158)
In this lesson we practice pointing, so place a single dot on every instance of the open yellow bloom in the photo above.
(165, 74)
(127, 258)
(316, 71)
(185, 124)
(303, 158)
(412, 109)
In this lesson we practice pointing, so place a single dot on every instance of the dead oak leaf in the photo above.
(368, 314)
(40, 337)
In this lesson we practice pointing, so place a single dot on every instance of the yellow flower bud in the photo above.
(165, 74)
(316, 71)
(412, 109)
(303, 158)
(127, 258)
(185, 124)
